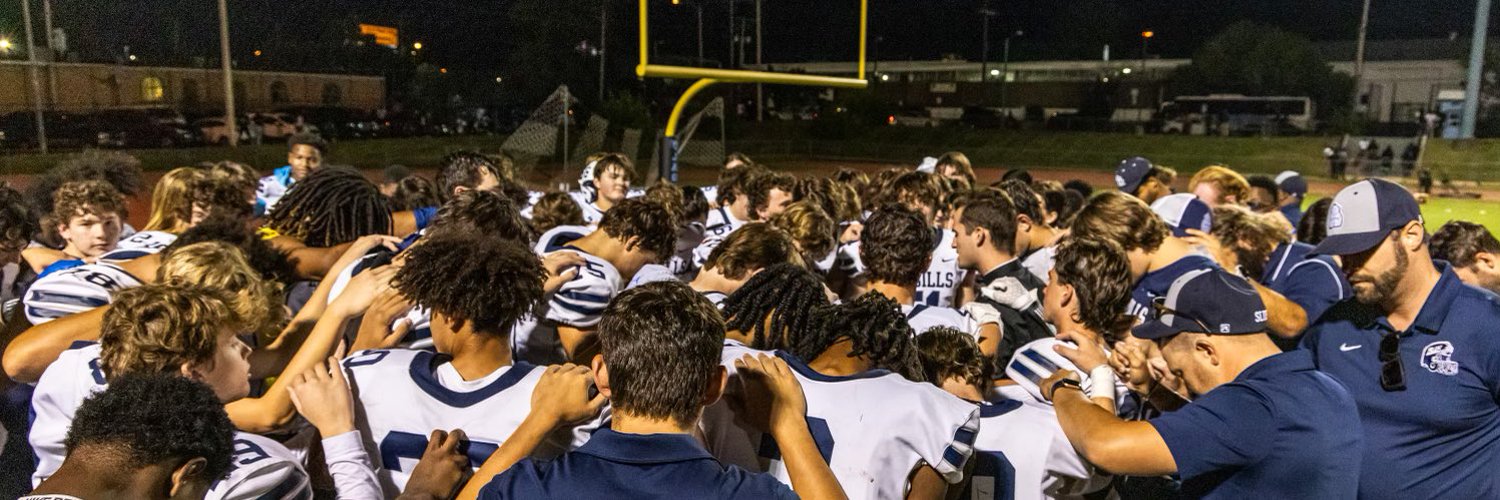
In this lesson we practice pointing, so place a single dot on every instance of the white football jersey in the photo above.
(1021, 453)
(1038, 360)
(75, 290)
(710, 193)
(720, 225)
(723, 434)
(140, 245)
(716, 297)
(923, 317)
(580, 301)
(556, 238)
(261, 467)
(1040, 262)
(875, 427)
(650, 273)
(402, 395)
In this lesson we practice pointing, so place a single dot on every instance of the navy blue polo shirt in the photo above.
(1313, 282)
(1156, 283)
(1439, 438)
(619, 465)
(1281, 429)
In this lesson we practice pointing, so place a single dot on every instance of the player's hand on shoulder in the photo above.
(1085, 353)
(321, 395)
(442, 469)
(561, 268)
(384, 320)
(565, 396)
(362, 290)
(773, 397)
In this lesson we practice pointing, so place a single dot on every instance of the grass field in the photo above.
(1440, 210)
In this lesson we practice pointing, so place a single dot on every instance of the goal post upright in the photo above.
(667, 166)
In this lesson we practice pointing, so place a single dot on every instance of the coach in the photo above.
(1418, 349)
(1262, 423)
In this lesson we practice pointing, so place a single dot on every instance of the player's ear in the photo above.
(1023, 223)
(1204, 346)
(189, 472)
(187, 371)
(632, 243)
(601, 375)
(715, 388)
(1487, 262)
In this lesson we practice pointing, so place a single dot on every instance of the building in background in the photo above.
(93, 87)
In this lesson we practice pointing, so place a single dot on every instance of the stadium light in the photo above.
(5, 44)
(1148, 34)
(416, 46)
(994, 72)
(1125, 70)
(257, 53)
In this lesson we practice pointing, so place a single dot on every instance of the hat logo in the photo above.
(1119, 180)
(1260, 316)
(1335, 216)
(1224, 328)
(1437, 358)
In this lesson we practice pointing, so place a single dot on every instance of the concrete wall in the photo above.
(87, 87)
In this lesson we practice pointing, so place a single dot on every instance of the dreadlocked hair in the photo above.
(776, 306)
(876, 329)
(332, 206)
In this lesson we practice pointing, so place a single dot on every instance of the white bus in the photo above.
(1236, 114)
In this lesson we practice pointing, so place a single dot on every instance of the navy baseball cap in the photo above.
(1291, 182)
(1183, 211)
(1363, 213)
(1131, 173)
(1208, 301)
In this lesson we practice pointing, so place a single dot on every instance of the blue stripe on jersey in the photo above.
(953, 457)
(80, 344)
(915, 310)
(1027, 373)
(1040, 360)
(292, 483)
(125, 254)
(989, 410)
(806, 371)
(584, 310)
(561, 240)
(422, 366)
(965, 435)
(65, 299)
(585, 298)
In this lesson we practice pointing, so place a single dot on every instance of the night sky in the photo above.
(474, 34)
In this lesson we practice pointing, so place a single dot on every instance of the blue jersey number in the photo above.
(999, 473)
(933, 298)
(246, 452)
(815, 426)
(398, 445)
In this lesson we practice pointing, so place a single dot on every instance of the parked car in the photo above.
(128, 128)
(337, 123)
(273, 126)
(213, 130)
(64, 130)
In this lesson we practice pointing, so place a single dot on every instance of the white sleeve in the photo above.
(62, 294)
(258, 474)
(349, 464)
(580, 302)
(701, 253)
(53, 405)
(1063, 460)
(949, 437)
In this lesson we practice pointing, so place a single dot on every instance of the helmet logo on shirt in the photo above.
(1437, 358)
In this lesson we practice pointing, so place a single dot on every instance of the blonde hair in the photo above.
(810, 228)
(172, 201)
(959, 161)
(1229, 182)
(1123, 220)
(157, 328)
(220, 266)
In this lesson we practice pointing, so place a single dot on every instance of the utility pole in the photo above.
(229, 122)
(51, 55)
(603, 36)
(36, 85)
(1005, 73)
(1359, 54)
(760, 94)
(1476, 70)
(700, 34)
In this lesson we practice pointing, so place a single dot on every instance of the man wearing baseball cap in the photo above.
(1417, 349)
(1262, 423)
(1140, 178)
(1292, 187)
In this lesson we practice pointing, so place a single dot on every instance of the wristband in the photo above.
(1102, 383)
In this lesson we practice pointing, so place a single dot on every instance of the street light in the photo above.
(5, 44)
(416, 46)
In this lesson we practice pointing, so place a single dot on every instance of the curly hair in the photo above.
(1121, 219)
(734, 183)
(750, 248)
(86, 197)
(946, 353)
(760, 189)
(219, 194)
(270, 263)
(960, 163)
(215, 264)
(652, 223)
(1025, 200)
(157, 328)
(450, 273)
(913, 188)
(120, 170)
(17, 222)
(875, 327)
(485, 212)
(810, 227)
(332, 206)
(667, 195)
(1458, 242)
(154, 419)
(661, 343)
(1099, 273)
(694, 204)
(464, 169)
(307, 139)
(555, 209)
(172, 200)
(896, 246)
(776, 306)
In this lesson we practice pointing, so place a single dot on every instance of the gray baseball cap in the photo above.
(1363, 213)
